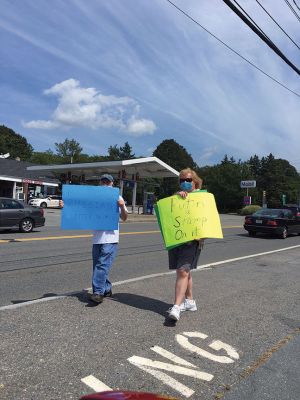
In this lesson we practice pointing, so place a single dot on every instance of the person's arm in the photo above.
(123, 209)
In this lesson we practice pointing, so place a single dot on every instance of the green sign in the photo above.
(182, 220)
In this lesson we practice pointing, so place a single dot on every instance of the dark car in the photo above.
(16, 214)
(295, 208)
(280, 222)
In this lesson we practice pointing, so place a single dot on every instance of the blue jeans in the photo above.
(103, 257)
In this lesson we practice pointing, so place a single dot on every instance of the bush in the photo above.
(248, 210)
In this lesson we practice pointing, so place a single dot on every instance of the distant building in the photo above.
(19, 183)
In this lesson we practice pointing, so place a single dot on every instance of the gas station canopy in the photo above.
(145, 168)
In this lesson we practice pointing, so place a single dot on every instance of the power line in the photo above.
(245, 12)
(231, 49)
(292, 9)
(296, 4)
(277, 23)
(254, 29)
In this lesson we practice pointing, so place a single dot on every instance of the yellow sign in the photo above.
(182, 220)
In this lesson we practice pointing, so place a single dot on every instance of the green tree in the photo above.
(14, 144)
(178, 158)
(45, 158)
(113, 153)
(278, 177)
(126, 152)
(223, 180)
(69, 150)
(116, 153)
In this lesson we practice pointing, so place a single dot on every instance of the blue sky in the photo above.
(109, 71)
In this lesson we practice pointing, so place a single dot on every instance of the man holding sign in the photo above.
(105, 245)
(91, 207)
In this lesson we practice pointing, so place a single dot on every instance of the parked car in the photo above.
(16, 214)
(295, 208)
(280, 222)
(49, 201)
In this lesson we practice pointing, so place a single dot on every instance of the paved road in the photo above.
(54, 262)
(239, 345)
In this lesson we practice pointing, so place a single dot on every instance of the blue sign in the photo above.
(90, 207)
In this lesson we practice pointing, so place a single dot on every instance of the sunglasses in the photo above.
(186, 180)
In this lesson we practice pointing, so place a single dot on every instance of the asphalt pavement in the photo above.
(242, 343)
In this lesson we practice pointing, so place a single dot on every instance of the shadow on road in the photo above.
(130, 299)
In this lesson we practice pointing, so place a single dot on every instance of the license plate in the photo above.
(258, 221)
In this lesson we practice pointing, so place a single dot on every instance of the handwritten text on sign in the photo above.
(90, 207)
(187, 219)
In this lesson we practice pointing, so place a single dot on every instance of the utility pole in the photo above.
(264, 199)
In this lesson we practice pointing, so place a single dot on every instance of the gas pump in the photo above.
(148, 203)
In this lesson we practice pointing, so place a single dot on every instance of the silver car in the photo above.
(16, 214)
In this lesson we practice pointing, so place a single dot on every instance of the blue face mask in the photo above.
(186, 186)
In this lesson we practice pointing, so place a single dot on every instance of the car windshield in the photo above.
(268, 212)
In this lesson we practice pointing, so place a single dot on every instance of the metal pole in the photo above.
(134, 196)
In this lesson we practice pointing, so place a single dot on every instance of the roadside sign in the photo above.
(248, 184)
(247, 200)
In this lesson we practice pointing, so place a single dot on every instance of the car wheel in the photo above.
(43, 205)
(284, 233)
(26, 225)
(253, 233)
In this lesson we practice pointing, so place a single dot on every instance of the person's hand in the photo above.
(61, 203)
(182, 194)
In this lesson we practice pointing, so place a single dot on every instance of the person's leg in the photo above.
(181, 285)
(103, 257)
(189, 290)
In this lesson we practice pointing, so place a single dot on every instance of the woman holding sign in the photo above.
(185, 257)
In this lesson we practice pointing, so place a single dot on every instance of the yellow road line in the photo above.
(36, 239)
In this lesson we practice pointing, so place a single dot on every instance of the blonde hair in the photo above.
(196, 179)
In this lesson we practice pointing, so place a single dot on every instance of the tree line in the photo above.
(277, 177)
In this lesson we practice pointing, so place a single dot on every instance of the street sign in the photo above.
(247, 200)
(248, 184)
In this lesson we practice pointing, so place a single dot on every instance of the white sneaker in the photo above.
(174, 313)
(188, 305)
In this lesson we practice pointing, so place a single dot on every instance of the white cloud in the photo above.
(86, 107)
(138, 127)
(40, 124)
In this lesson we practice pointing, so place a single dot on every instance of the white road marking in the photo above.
(27, 303)
(155, 368)
(172, 357)
(95, 384)
(195, 334)
(185, 343)
(204, 376)
(218, 345)
(141, 278)
(169, 381)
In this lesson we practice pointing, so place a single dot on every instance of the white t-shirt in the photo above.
(101, 237)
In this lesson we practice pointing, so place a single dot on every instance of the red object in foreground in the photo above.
(121, 395)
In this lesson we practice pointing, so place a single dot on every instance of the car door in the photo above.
(297, 222)
(12, 212)
(291, 221)
(55, 201)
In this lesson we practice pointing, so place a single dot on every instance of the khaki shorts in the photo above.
(185, 256)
